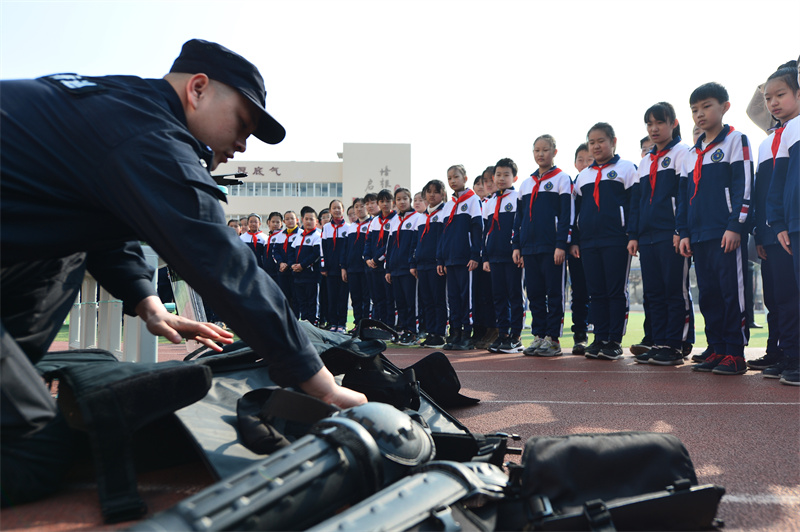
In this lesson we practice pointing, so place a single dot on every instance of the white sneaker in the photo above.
(548, 348)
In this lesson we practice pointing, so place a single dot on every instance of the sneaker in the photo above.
(433, 341)
(791, 377)
(769, 359)
(455, 337)
(642, 347)
(704, 355)
(408, 339)
(464, 343)
(666, 356)
(731, 365)
(686, 349)
(581, 340)
(610, 351)
(500, 340)
(537, 342)
(709, 363)
(593, 349)
(550, 348)
(645, 357)
(511, 345)
(776, 370)
(488, 338)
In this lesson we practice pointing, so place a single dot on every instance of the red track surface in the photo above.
(742, 432)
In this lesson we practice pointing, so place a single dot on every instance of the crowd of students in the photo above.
(420, 263)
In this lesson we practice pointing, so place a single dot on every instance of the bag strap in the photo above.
(598, 516)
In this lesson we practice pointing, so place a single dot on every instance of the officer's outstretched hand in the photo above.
(161, 322)
(323, 386)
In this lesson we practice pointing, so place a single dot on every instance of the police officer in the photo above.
(134, 155)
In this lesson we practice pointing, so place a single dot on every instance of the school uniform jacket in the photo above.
(721, 200)
(608, 224)
(306, 251)
(401, 244)
(543, 223)
(429, 231)
(378, 235)
(653, 208)
(783, 200)
(764, 234)
(275, 252)
(462, 231)
(498, 226)
(334, 246)
(356, 238)
(257, 242)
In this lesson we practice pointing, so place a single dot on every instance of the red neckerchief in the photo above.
(496, 217)
(383, 222)
(535, 192)
(360, 225)
(776, 141)
(336, 227)
(255, 238)
(302, 241)
(400, 224)
(288, 234)
(428, 219)
(464, 197)
(597, 179)
(698, 165)
(654, 157)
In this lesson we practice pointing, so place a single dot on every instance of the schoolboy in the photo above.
(399, 251)
(285, 278)
(458, 255)
(275, 239)
(375, 257)
(484, 330)
(646, 144)
(541, 237)
(256, 240)
(577, 278)
(304, 258)
(432, 286)
(712, 217)
(506, 277)
(354, 270)
(334, 258)
(371, 202)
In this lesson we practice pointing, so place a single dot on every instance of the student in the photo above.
(304, 258)
(419, 202)
(712, 214)
(256, 240)
(506, 277)
(541, 237)
(351, 215)
(234, 224)
(646, 144)
(371, 203)
(375, 257)
(783, 215)
(334, 256)
(651, 233)
(242, 225)
(399, 252)
(432, 286)
(353, 270)
(285, 278)
(274, 253)
(600, 239)
(458, 255)
(477, 187)
(484, 329)
(579, 304)
(323, 218)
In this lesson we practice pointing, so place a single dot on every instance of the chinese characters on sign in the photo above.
(384, 181)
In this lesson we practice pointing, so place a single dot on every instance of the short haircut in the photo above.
(709, 90)
(253, 215)
(370, 197)
(420, 194)
(358, 200)
(305, 210)
(605, 127)
(402, 190)
(334, 201)
(787, 74)
(666, 113)
(385, 195)
(323, 212)
(274, 214)
(507, 163)
(350, 208)
(582, 147)
(436, 184)
(548, 138)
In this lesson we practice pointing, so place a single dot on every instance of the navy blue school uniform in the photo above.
(542, 225)
(460, 243)
(375, 249)
(306, 251)
(257, 242)
(709, 203)
(579, 302)
(432, 286)
(783, 201)
(667, 305)
(780, 286)
(601, 231)
(506, 278)
(483, 298)
(334, 256)
(285, 278)
(356, 269)
(399, 253)
(274, 253)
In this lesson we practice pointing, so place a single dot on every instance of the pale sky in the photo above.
(463, 82)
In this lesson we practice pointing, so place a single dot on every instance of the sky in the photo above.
(464, 82)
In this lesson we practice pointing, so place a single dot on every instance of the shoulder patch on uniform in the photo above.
(548, 186)
(612, 174)
(74, 84)
(718, 155)
(665, 162)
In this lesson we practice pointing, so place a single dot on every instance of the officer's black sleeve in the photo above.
(162, 190)
(123, 271)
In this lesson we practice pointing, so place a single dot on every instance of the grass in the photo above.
(634, 332)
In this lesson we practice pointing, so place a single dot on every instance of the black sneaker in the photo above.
(642, 347)
(453, 339)
(645, 357)
(464, 343)
(500, 340)
(610, 351)
(710, 362)
(593, 349)
(433, 341)
(666, 356)
(703, 356)
(791, 377)
(731, 365)
(686, 349)
(581, 339)
(769, 359)
(408, 339)
(775, 371)
(511, 345)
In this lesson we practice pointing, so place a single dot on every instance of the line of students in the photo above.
(680, 203)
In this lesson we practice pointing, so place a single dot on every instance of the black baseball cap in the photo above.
(220, 64)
